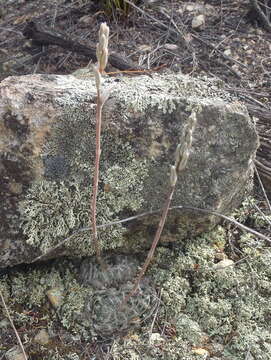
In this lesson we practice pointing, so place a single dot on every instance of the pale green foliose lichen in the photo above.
(179, 86)
(53, 209)
(225, 311)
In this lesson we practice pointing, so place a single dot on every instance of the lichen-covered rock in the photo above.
(47, 146)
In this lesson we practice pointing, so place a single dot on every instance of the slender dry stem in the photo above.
(13, 326)
(181, 157)
(96, 179)
(154, 244)
(102, 56)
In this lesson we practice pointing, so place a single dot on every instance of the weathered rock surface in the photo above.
(47, 142)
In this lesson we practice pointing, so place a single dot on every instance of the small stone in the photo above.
(190, 7)
(259, 31)
(179, 11)
(200, 351)
(198, 22)
(220, 256)
(86, 20)
(55, 296)
(4, 323)
(223, 264)
(144, 48)
(42, 337)
(235, 68)
(156, 338)
(151, 3)
(15, 188)
(227, 52)
(171, 47)
(15, 353)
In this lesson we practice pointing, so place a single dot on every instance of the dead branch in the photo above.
(45, 37)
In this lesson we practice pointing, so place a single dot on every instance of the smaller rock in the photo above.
(171, 47)
(55, 296)
(199, 8)
(15, 188)
(220, 256)
(15, 353)
(198, 22)
(227, 52)
(191, 7)
(201, 351)
(144, 48)
(86, 20)
(235, 68)
(4, 323)
(42, 337)
(156, 338)
(223, 264)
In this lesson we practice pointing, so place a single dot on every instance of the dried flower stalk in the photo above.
(181, 157)
(102, 57)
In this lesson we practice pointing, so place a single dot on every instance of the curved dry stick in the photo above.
(153, 212)
(13, 326)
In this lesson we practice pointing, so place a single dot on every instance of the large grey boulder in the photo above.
(47, 150)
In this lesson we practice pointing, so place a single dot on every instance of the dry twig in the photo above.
(13, 326)
(148, 213)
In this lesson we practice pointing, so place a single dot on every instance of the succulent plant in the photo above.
(103, 309)
(120, 269)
